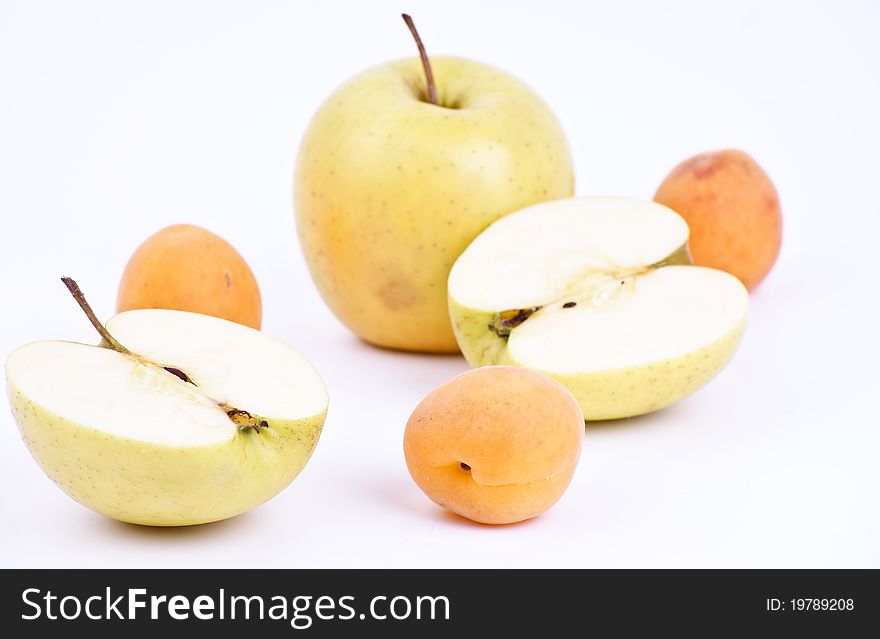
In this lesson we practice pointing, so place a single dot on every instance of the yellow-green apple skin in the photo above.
(155, 485)
(389, 189)
(150, 482)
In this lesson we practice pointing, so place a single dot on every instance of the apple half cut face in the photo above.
(597, 293)
(203, 420)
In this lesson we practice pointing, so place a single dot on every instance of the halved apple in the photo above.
(597, 293)
(197, 419)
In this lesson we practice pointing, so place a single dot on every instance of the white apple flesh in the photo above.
(135, 442)
(597, 293)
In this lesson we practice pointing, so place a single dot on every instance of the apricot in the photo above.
(188, 268)
(733, 212)
(497, 444)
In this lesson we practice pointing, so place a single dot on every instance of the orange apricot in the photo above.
(733, 212)
(497, 444)
(188, 268)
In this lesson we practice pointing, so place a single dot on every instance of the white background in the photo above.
(117, 119)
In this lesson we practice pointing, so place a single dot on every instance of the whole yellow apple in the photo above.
(389, 188)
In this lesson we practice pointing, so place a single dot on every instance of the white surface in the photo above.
(119, 118)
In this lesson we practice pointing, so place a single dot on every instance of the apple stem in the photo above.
(426, 64)
(77, 293)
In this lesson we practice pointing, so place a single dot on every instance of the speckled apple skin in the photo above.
(389, 190)
(144, 483)
(628, 392)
